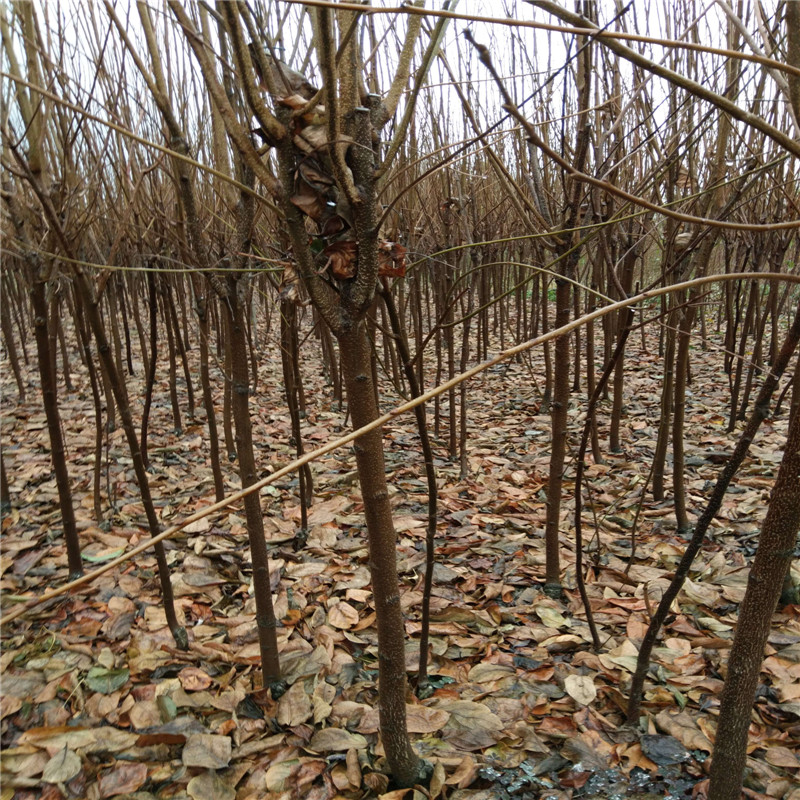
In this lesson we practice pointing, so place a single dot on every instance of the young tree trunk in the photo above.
(289, 358)
(11, 347)
(89, 304)
(774, 554)
(22, 319)
(137, 318)
(62, 343)
(181, 340)
(113, 323)
(53, 416)
(108, 395)
(54, 322)
(667, 397)
(84, 338)
(201, 308)
(227, 400)
(236, 336)
(152, 360)
(547, 350)
(401, 342)
(741, 354)
(123, 307)
(679, 415)
(5, 492)
(626, 282)
(173, 365)
(355, 356)
(558, 435)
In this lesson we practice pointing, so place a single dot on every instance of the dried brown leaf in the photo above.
(207, 750)
(123, 779)
(62, 767)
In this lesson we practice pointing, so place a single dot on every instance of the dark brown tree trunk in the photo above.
(171, 354)
(463, 403)
(108, 395)
(11, 347)
(667, 397)
(50, 401)
(449, 334)
(201, 308)
(558, 433)
(679, 415)
(22, 317)
(181, 342)
(301, 395)
(355, 356)
(123, 307)
(5, 492)
(236, 336)
(745, 334)
(401, 342)
(237, 345)
(227, 399)
(776, 547)
(113, 324)
(289, 358)
(249, 309)
(84, 338)
(152, 360)
(137, 318)
(89, 306)
(576, 353)
(547, 350)
(626, 283)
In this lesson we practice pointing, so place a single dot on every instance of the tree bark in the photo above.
(558, 441)
(774, 554)
(11, 348)
(401, 343)
(355, 357)
(201, 308)
(265, 613)
(5, 492)
(50, 401)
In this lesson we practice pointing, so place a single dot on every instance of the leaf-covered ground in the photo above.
(97, 702)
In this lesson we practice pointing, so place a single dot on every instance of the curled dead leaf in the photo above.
(194, 679)
(353, 768)
(376, 781)
(343, 616)
(341, 259)
(391, 260)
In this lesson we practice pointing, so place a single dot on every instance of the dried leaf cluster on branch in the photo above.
(316, 193)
